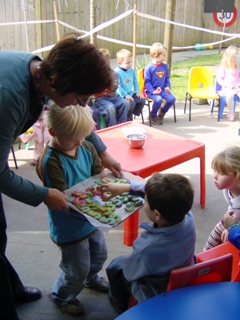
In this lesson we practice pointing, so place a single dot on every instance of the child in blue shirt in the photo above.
(165, 245)
(128, 86)
(67, 160)
(113, 108)
(157, 83)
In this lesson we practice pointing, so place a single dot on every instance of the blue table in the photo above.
(210, 301)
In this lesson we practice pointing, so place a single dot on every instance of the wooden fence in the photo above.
(30, 36)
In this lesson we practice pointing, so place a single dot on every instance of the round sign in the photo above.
(227, 18)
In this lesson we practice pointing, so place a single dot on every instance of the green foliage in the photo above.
(204, 60)
(180, 70)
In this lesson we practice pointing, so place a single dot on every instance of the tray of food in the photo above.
(99, 207)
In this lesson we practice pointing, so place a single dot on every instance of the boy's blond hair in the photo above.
(105, 53)
(71, 120)
(123, 54)
(229, 57)
(157, 48)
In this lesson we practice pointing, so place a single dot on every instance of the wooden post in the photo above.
(168, 32)
(38, 25)
(223, 28)
(134, 36)
(93, 37)
(56, 20)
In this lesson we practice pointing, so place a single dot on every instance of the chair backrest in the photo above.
(219, 251)
(200, 78)
(140, 76)
(215, 270)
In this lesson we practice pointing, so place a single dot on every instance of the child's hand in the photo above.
(168, 90)
(229, 218)
(157, 91)
(115, 188)
(139, 95)
(129, 97)
(224, 236)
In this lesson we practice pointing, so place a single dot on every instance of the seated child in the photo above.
(113, 108)
(165, 245)
(226, 177)
(67, 160)
(157, 83)
(228, 77)
(128, 86)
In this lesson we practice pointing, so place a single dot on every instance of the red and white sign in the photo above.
(226, 18)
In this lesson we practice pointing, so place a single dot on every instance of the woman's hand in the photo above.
(110, 163)
(56, 200)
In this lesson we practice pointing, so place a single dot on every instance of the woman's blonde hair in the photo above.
(157, 48)
(71, 120)
(229, 58)
(123, 54)
(228, 161)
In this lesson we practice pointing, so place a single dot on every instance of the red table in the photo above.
(162, 150)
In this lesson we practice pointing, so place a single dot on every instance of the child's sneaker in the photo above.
(231, 117)
(74, 307)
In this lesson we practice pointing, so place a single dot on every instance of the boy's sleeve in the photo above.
(120, 89)
(137, 189)
(49, 170)
(167, 80)
(147, 80)
(234, 236)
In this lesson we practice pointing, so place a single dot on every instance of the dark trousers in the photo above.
(119, 287)
(10, 283)
(136, 107)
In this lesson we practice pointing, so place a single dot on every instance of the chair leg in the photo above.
(142, 118)
(14, 158)
(190, 108)
(174, 111)
(149, 114)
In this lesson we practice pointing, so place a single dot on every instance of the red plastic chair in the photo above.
(214, 270)
(219, 251)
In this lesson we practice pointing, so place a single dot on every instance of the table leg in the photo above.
(131, 229)
(202, 180)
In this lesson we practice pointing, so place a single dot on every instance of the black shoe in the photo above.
(156, 120)
(28, 295)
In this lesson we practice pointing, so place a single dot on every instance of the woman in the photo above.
(72, 72)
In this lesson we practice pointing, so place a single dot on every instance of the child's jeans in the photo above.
(80, 265)
(113, 109)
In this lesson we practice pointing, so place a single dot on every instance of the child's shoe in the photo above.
(156, 120)
(101, 286)
(231, 117)
(74, 307)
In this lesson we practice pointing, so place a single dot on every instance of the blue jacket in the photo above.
(156, 252)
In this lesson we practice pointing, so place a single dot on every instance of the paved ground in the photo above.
(36, 258)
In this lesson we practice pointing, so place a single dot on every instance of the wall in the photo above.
(77, 14)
